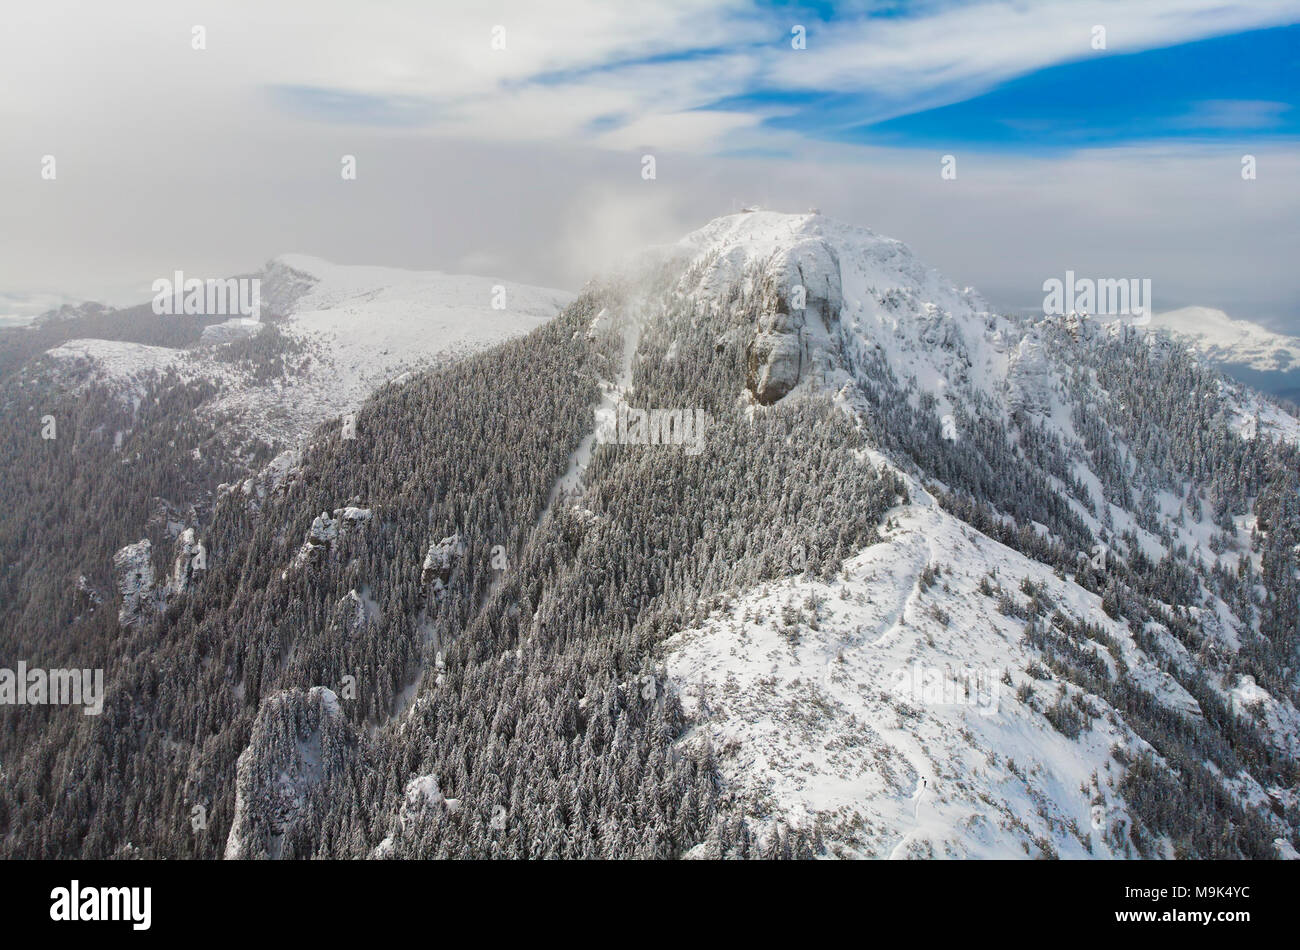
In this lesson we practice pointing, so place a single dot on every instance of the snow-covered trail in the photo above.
(899, 851)
(919, 554)
(837, 723)
(904, 580)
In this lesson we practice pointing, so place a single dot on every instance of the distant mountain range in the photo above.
(354, 328)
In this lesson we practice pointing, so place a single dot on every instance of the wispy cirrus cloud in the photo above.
(565, 70)
(1234, 114)
(563, 78)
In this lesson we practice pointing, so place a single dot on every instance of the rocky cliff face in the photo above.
(135, 578)
(820, 297)
(799, 313)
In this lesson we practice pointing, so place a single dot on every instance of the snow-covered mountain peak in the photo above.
(307, 264)
(756, 230)
(867, 259)
(828, 298)
(834, 303)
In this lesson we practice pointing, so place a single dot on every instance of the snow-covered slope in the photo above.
(371, 324)
(128, 364)
(904, 708)
(885, 704)
(349, 329)
(905, 715)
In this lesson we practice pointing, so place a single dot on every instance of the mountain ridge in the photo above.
(623, 648)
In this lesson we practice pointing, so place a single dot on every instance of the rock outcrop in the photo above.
(301, 743)
(324, 531)
(438, 562)
(135, 581)
(798, 309)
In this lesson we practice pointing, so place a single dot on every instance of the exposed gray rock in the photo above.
(438, 562)
(135, 581)
(798, 309)
(191, 558)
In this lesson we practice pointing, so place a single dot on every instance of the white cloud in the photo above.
(1233, 114)
(684, 131)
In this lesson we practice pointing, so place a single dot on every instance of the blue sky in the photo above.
(1238, 88)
